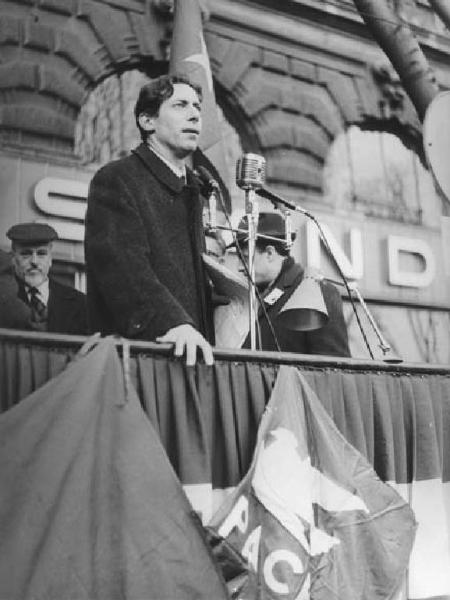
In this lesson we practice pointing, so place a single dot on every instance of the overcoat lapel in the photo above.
(158, 168)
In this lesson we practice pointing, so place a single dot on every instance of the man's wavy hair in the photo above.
(153, 94)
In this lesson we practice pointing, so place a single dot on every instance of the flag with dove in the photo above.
(311, 516)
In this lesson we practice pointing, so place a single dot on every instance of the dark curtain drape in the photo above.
(397, 419)
(207, 418)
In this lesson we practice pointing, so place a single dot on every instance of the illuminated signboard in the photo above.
(64, 200)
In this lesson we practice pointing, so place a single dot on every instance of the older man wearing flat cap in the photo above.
(277, 276)
(54, 307)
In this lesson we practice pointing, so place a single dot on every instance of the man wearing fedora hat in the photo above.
(53, 306)
(277, 276)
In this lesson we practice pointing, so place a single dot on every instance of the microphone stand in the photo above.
(251, 208)
(252, 212)
(250, 278)
(385, 347)
(212, 209)
(388, 355)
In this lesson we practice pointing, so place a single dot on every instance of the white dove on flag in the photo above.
(288, 486)
(311, 516)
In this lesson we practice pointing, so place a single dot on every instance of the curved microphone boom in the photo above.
(250, 176)
(386, 349)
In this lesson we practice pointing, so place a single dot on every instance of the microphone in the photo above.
(210, 188)
(251, 171)
(251, 175)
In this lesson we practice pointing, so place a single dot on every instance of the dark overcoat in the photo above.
(66, 309)
(330, 340)
(14, 312)
(143, 244)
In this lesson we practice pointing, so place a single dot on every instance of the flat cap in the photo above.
(270, 224)
(32, 232)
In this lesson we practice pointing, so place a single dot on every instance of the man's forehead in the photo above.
(185, 92)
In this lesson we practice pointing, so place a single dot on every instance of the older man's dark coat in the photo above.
(330, 340)
(144, 239)
(14, 312)
(67, 312)
(66, 309)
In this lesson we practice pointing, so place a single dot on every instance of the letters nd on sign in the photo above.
(66, 199)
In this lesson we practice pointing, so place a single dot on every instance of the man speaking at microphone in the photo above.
(144, 232)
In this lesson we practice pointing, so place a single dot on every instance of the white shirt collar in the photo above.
(179, 171)
(44, 291)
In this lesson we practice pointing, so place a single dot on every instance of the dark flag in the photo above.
(90, 507)
(311, 516)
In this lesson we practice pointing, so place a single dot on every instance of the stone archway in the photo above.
(53, 55)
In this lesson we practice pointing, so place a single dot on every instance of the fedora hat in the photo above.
(270, 225)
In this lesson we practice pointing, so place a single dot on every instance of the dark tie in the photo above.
(38, 310)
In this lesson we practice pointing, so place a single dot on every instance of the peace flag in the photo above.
(311, 516)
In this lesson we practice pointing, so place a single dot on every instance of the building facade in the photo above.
(301, 83)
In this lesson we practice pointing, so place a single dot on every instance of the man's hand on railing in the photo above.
(187, 339)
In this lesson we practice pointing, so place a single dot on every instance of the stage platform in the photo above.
(396, 415)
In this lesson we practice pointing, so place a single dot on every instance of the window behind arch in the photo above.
(374, 173)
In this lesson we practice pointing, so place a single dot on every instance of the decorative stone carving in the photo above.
(166, 7)
(394, 111)
(392, 95)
